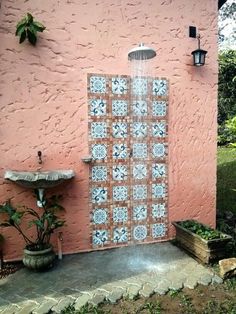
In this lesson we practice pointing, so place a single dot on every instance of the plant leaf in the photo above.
(20, 29)
(29, 18)
(22, 22)
(22, 37)
(31, 37)
(38, 26)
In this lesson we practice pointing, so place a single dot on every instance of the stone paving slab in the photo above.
(104, 275)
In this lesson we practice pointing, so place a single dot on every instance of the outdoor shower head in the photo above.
(141, 53)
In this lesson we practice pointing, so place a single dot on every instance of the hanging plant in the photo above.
(28, 28)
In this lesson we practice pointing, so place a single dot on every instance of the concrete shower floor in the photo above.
(104, 275)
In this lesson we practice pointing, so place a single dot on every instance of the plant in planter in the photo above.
(38, 252)
(28, 28)
(202, 241)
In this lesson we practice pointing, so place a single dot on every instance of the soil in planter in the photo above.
(10, 268)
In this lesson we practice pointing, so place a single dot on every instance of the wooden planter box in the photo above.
(206, 251)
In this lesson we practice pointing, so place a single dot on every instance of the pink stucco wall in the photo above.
(43, 98)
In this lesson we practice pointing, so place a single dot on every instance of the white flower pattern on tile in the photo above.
(140, 212)
(99, 151)
(120, 193)
(139, 129)
(99, 195)
(139, 192)
(158, 190)
(120, 214)
(139, 108)
(159, 108)
(140, 232)
(158, 230)
(119, 108)
(120, 235)
(119, 172)
(100, 237)
(119, 129)
(139, 171)
(158, 150)
(158, 210)
(100, 216)
(119, 151)
(140, 150)
(99, 173)
(119, 85)
(98, 129)
(159, 87)
(98, 107)
(98, 84)
(158, 171)
(159, 129)
(139, 86)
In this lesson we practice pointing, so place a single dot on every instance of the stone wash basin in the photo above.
(39, 179)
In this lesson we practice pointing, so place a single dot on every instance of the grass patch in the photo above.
(226, 179)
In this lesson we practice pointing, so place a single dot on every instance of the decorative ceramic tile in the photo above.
(158, 230)
(120, 193)
(139, 108)
(120, 214)
(140, 233)
(100, 237)
(139, 86)
(98, 84)
(158, 190)
(159, 108)
(99, 195)
(139, 129)
(100, 216)
(98, 130)
(119, 108)
(119, 130)
(140, 212)
(139, 171)
(139, 192)
(119, 151)
(158, 210)
(159, 87)
(158, 171)
(99, 151)
(98, 107)
(158, 150)
(159, 129)
(140, 150)
(99, 173)
(119, 172)
(119, 85)
(120, 235)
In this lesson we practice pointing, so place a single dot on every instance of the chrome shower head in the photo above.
(141, 53)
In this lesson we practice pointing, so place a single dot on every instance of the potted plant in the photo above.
(202, 241)
(38, 252)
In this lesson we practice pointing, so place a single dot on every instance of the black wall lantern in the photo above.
(199, 54)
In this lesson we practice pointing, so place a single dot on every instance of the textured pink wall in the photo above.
(44, 106)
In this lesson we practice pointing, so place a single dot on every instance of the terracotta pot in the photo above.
(39, 260)
(206, 251)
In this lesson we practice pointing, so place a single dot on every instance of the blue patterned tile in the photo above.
(119, 108)
(140, 150)
(120, 172)
(139, 171)
(159, 129)
(120, 151)
(140, 232)
(120, 193)
(158, 190)
(98, 130)
(159, 87)
(98, 107)
(120, 214)
(98, 84)
(158, 171)
(139, 129)
(159, 108)
(140, 212)
(139, 192)
(119, 130)
(120, 235)
(100, 237)
(139, 86)
(119, 85)
(158, 230)
(139, 108)
(99, 151)
(99, 195)
(99, 173)
(159, 210)
(158, 150)
(100, 216)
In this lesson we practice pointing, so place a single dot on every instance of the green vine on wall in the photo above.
(28, 28)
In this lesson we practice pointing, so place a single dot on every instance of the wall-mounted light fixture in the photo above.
(198, 54)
